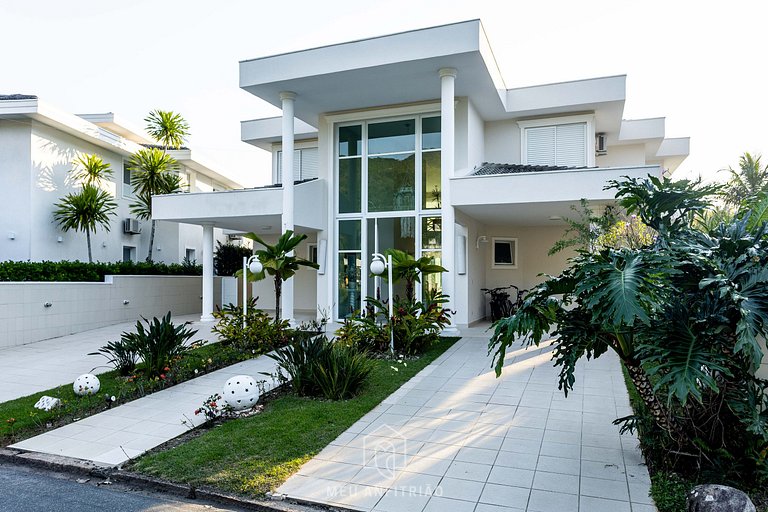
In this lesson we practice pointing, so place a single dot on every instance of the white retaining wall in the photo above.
(80, 306)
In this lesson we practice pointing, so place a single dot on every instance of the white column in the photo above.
(447, 129)
(287, 99)
(207, 313)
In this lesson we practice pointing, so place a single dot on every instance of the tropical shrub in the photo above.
(87, 272)
(260, 333)
(228, 258)
(122, 355)
(411, 270)
(684, 314)
(159, 343)
(416, 325)
(319, 367)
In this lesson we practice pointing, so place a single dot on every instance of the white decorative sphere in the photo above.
(377, 267)
(240, 392)
(86, 384)
(255, 267)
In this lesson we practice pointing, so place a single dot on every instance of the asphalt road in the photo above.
(31, 490)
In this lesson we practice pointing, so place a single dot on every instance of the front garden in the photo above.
(326, 384)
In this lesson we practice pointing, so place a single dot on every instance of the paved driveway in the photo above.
(42, 365)
(457, 439)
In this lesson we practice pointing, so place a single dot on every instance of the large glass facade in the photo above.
(388, 176)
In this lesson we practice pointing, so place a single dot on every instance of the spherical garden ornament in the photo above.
(86, 384)
(240, 392)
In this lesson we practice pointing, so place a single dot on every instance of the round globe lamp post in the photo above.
(378, 265)
(253, 265)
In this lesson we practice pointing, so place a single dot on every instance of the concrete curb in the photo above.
(86, 468)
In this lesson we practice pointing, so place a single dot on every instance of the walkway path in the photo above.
(457, 439)
(34, 367)
(125, 432)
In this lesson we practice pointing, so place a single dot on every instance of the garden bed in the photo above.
(251, 456)
(19, 419)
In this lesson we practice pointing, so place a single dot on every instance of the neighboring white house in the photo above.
(413, 141)
(38, 144)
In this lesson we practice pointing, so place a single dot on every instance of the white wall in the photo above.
(15, 165)
(469, 302)
(533, 243)
(618, 156)
(502, 142)
(77, 307)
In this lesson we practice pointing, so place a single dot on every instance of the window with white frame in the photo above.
(129, 253)
(563, 142)
(190, 255)
(504, 252)
(128, 190)
(387, 196)
(312, 252)
(304, 164)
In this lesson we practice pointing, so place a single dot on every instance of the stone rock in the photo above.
(241, 392)
(718, 498)
(86, 384)
(46, 403)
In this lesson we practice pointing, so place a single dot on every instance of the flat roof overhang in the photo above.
(258, 210)
(371, 72)
(262, 133)
(533, 198)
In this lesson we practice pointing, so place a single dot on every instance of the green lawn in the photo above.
(254, 455)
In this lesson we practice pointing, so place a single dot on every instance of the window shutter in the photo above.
(296, 165)
(308, 163)
(571, 145)
(540, 145)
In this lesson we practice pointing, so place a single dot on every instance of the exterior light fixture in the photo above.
(253, 265)
(378, 265)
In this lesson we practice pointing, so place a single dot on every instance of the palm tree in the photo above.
(152, 174)
(85, 210)
(405, 266)
(279, 262)
(168, 128)
(748, 181)
(91, 170)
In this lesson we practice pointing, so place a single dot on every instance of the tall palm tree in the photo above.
(279, 263)
(152, 174)
(85, 210)
(91, 170)
(168, 128)
(748, 181)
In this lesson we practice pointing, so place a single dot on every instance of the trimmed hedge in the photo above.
(81, 271)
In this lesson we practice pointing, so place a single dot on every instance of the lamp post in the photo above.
(378, 265)
(254, 265)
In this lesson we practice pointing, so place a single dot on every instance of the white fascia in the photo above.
(69, 123)
(118, 125)
(264, 132)
(202, 166)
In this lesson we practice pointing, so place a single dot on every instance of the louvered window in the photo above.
(562, 145)
(304, 164)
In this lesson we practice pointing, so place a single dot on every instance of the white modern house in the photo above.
(413, 141)
(38, 145)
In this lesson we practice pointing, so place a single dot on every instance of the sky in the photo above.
(699, 64)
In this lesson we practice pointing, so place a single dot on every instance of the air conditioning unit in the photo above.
(601, 144)
(234, 238)
(131, 226)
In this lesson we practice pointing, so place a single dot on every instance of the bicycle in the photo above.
(502, 305)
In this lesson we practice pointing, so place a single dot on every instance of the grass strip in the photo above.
(251, 456)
